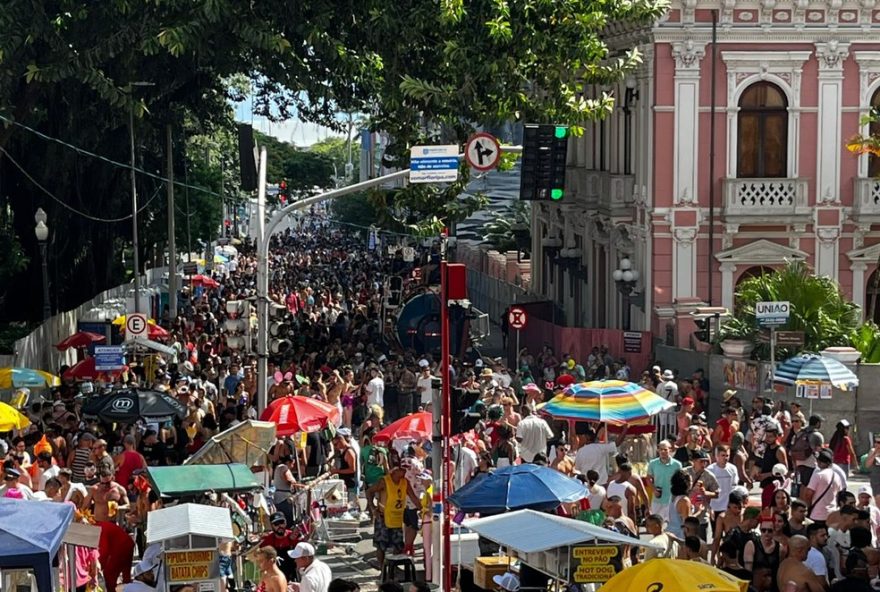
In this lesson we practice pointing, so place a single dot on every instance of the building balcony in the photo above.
(766, 200)
(608, 193)
(866, 199)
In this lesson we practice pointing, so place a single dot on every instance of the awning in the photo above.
(545, 531)
(149, 344)
(185, 519)
(199, 479)
(246, 443)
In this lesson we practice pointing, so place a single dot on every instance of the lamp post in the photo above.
(625, 277)
(134, 204)
(42, 233)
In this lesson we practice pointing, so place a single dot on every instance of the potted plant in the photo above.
(736, 338)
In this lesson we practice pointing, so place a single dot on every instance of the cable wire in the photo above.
(115, 163)
(68, 206)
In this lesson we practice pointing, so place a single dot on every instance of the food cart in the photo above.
(557, 549)
(190, 536)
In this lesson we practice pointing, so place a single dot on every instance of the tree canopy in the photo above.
(422, 71)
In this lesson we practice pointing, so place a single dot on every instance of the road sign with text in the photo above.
(772, 313)
(433, 164)
(136, 326)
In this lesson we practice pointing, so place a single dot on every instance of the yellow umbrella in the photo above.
(11, 378)
(12, 419)
(674, 574)
(121, 321)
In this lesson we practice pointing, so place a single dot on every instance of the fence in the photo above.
(37, 349)
(493, 296)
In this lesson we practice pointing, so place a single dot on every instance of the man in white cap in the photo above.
(423, 383)
(864, 502)
(508, 582)
(315, 575)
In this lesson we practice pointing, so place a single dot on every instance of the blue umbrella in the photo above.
(815, 368)
(518, 487)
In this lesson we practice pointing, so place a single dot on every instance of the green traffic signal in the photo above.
(561, 131)
(556, 194)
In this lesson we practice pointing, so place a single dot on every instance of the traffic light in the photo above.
(542, 172)
(279, 330)
(237, 324)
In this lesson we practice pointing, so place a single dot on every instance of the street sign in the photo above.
(109, 358)
(190, 268)
(517, 317)
(433, 164)
(409, 254)
(772, 313)
(789, 338)
(482, 152)
(632, 342)
(135, 326)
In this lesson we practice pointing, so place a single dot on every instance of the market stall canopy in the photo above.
(129, 405)
(813, 368)
(188, 519)
(80, 340)
(294, 413)
(246, 443)
(678, 574)
(150, 344)
(31, 533)
(518, 487)
(11, 378)
(545, 532)
(198, 479)
(415, 426)
(612, 401)
(12, 419)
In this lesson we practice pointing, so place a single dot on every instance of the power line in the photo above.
(115, 163)
(68, 206)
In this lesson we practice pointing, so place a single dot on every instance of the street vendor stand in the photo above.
(190, 535)
(565, 550)
(199, 480)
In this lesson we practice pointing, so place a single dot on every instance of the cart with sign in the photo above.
(191, 537)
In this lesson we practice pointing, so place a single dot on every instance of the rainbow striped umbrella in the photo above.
(612, 401)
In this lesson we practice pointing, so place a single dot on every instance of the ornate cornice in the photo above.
(831, 55)
(687, 55)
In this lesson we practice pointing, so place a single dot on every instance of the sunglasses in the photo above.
(766, 530)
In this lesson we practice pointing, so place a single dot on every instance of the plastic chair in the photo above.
(392, 562)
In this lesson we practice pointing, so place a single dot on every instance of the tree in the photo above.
(818, 307)
(428, 73)
(509, 229)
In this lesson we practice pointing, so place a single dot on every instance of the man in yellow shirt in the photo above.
(392, 491)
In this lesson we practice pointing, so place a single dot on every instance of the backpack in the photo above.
(800, 448)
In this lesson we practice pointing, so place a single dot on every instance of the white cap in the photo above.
(866, 489)
(668, 375)
(302, 550)
(780, 470)
(423, 363)
(507, 581)
(478, 363)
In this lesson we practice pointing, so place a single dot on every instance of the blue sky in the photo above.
(293, 131)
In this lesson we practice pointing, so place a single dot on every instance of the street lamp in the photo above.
(42, 233)
(625, 277)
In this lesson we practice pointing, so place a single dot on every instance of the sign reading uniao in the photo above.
(772, 313)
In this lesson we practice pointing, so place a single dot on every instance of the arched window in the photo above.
(762, 132)
(874, 129)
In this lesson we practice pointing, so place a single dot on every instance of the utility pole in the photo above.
(263, 235)
(172, 240)
(134, 215)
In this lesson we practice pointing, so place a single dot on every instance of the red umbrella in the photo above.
(292, 414)
(80, 340)
(85, 370)
(416, 426)
(203, 280)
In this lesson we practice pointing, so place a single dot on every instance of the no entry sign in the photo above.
(517, 317)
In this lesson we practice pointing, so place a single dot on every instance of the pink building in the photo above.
(791, 81)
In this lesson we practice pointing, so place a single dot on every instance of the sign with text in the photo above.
(632, 342)
(433, 164)
(772, 313)
(593, 563)
(191, 566)
(790, 338)
(109, 357)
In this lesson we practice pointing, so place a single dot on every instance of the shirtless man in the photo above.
(727, 521)
(793, 568)
(104, 492)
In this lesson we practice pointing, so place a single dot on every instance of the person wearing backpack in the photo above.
(803, 451)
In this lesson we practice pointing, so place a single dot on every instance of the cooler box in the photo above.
(485, 568)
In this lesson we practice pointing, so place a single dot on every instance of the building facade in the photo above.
(720, 160)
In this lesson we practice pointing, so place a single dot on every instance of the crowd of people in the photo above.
(691, 493)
